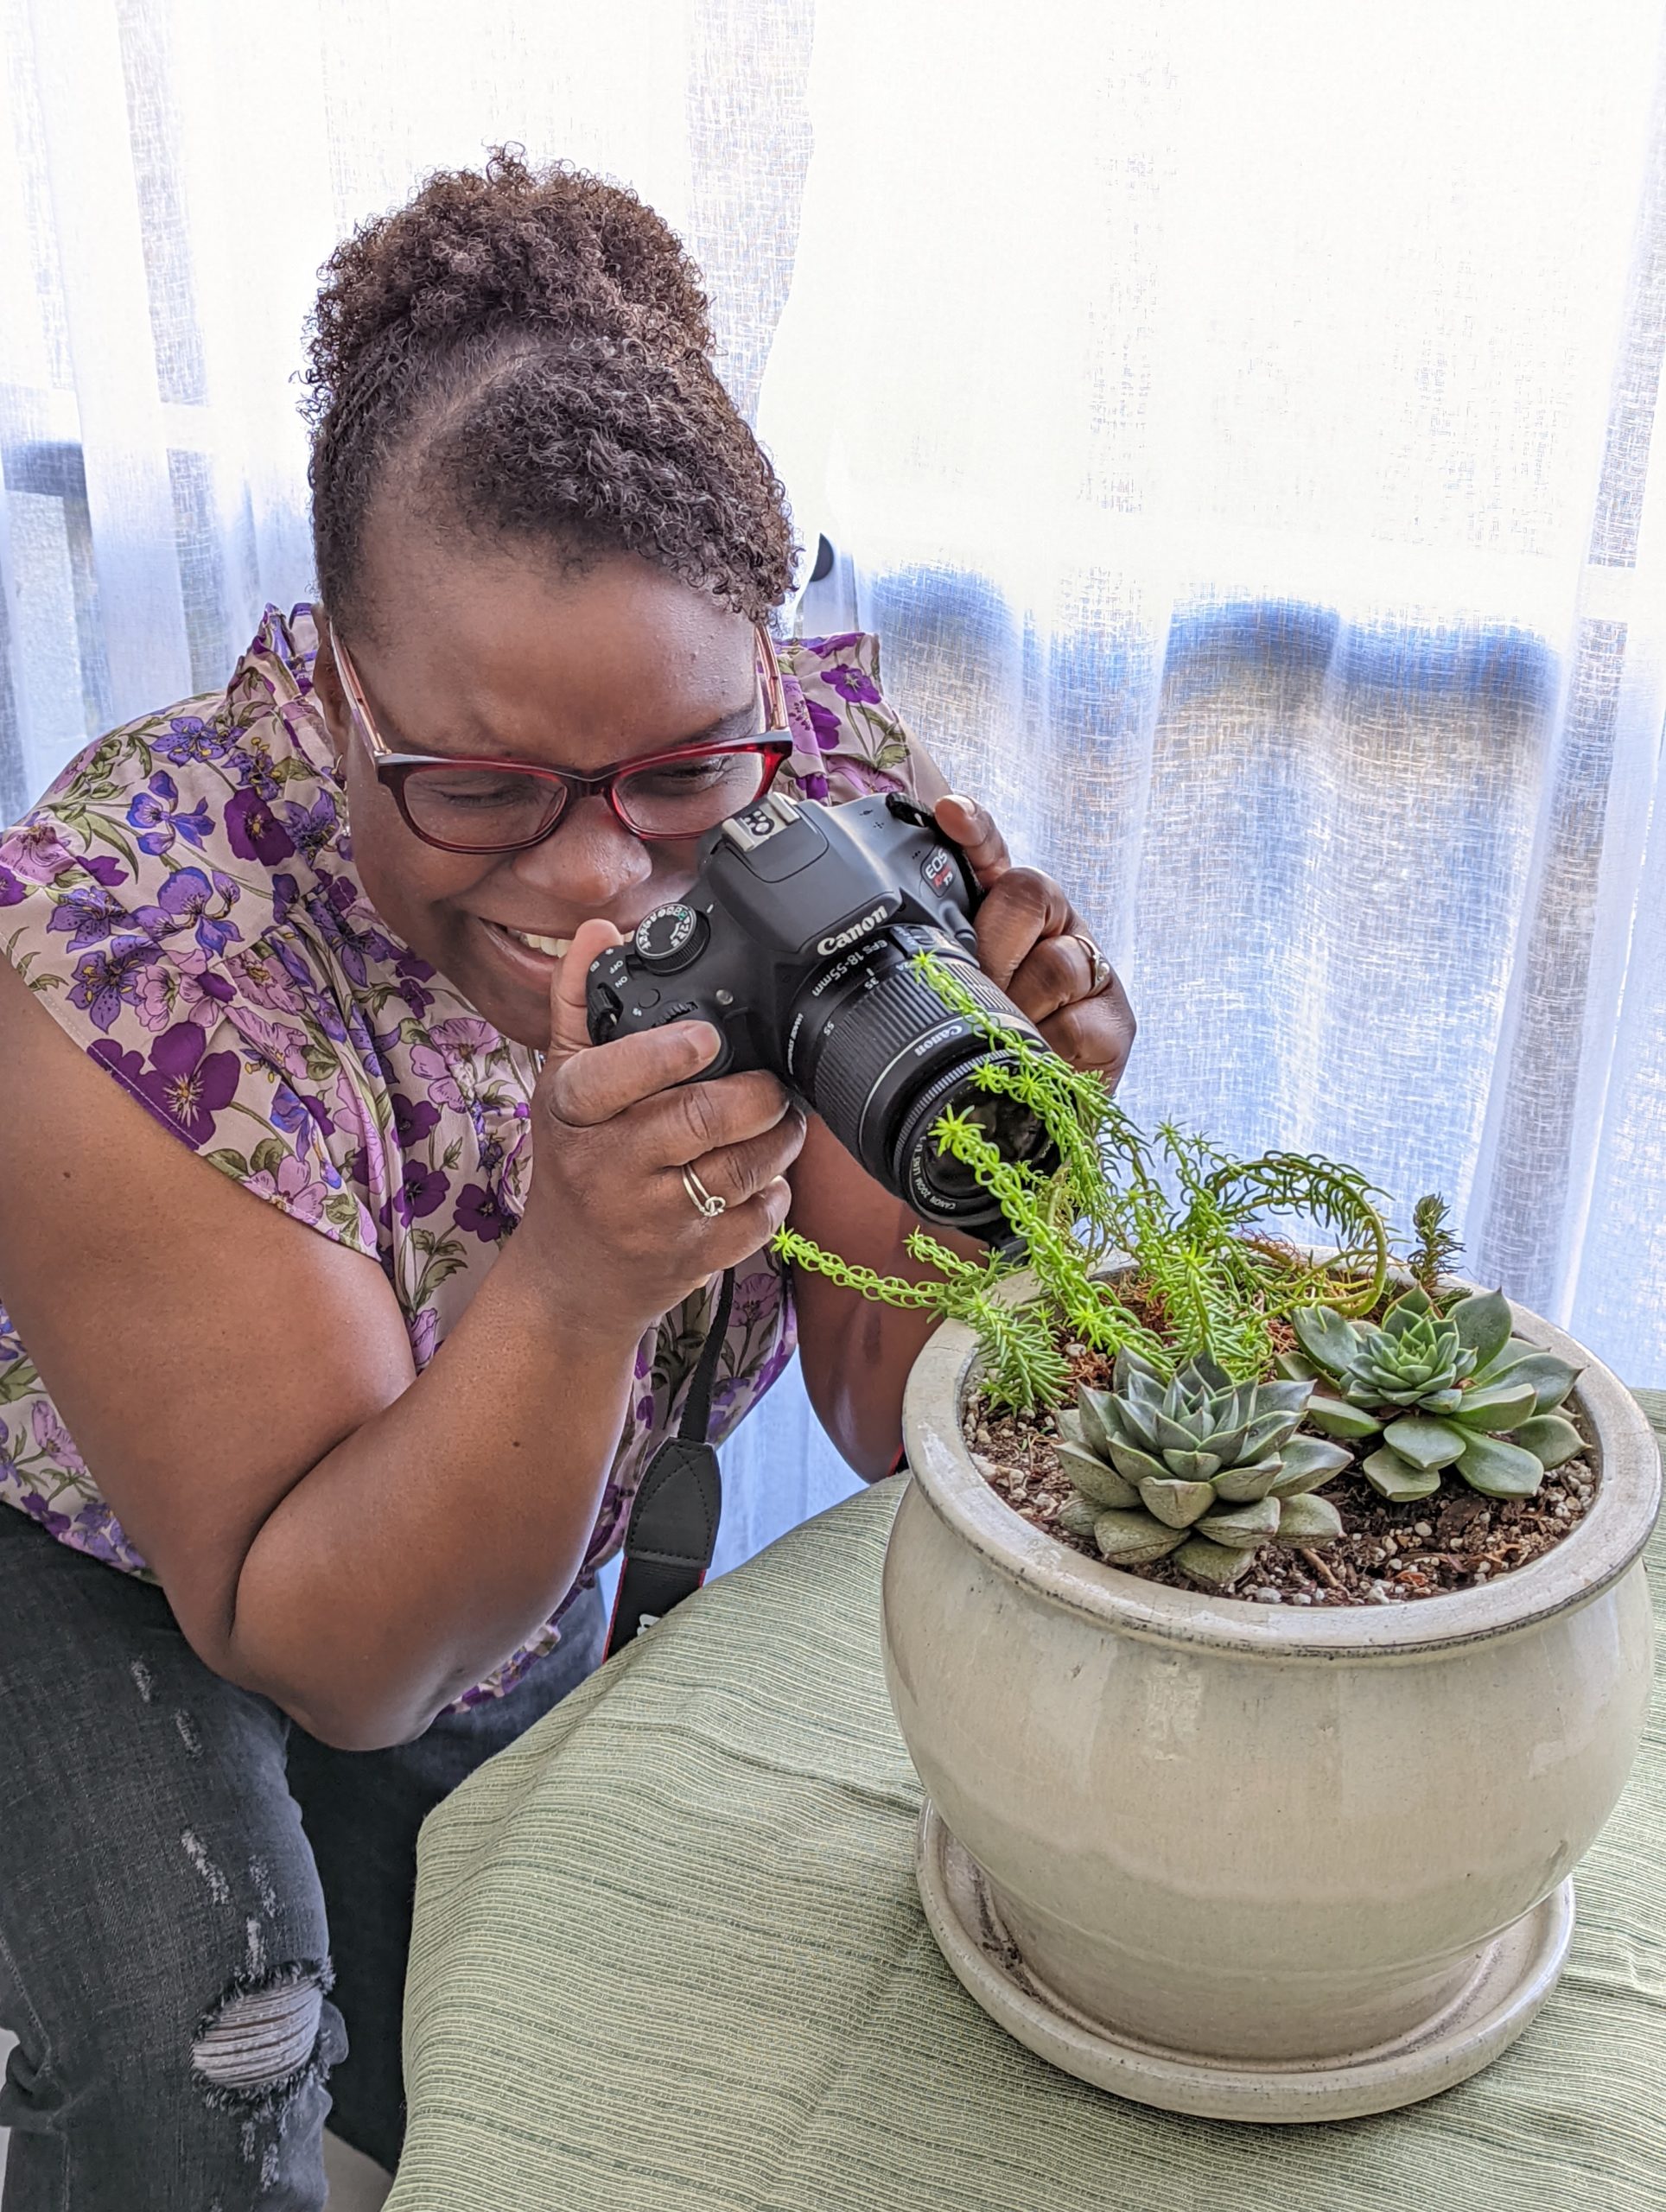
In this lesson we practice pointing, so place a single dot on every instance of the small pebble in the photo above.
(1423, 1529)
(1268, 1596)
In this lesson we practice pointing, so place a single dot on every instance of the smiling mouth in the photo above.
(552, 948)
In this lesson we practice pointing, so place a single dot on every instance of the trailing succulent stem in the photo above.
(1201, 1467)
(1453, 1390)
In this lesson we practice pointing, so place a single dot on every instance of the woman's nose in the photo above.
(591, 859)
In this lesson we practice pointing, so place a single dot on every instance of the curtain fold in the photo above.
(1238, 423)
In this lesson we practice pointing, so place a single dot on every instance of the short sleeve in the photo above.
(150, 959)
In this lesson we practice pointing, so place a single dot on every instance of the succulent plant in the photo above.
(1202, 1467)
(1446, 1389)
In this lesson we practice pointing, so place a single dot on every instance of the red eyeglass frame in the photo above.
(774, 742)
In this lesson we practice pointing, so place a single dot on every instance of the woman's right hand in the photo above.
(609, 1221)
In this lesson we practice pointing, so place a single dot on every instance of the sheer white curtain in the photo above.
(1237, 422)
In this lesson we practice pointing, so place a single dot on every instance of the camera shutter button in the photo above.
(671, 938)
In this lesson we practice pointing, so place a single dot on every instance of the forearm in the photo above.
(855, 1353)
(439, 1536)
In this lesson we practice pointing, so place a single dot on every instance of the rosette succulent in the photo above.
(1445, 1390)
(1202, 1467)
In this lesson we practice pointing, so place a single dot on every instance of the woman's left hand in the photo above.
(1033, 944)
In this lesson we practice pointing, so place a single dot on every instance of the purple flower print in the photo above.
(12, 891)
(173, 993)
(850, 683)
(87, 917)
(355, 946)
(53, 1438)
(185, 1086)
(156, 814)
(291, 1188)
(253, 831)
(436, 1071)
(825, 724)
(294, 1112)
(104, 870)
(189, 738)
(480, 1214)
(104, 980)
(36, 853)
(312, 827)
(419, 1192)
(841, 643)
(56, 1524)
(285, 892)
(183, 903)
(423, 1330)
(253, 766)
(414, 968)
(413, 1119)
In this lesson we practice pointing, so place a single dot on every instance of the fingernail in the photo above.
(961, 800)
(705, 1039)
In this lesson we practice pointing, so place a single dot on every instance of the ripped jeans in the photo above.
(204, 1912)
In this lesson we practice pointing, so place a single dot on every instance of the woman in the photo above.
(313, 1491)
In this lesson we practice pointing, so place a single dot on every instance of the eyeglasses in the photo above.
(504, 806)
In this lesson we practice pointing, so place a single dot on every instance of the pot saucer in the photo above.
(1514, 1974)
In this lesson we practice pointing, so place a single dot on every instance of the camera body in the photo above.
(796, 943)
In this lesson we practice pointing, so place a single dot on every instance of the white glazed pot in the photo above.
(1248, 1861)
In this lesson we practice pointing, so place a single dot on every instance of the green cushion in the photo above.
(669, 1956)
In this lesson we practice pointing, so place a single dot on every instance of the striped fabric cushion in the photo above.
(669, 1956)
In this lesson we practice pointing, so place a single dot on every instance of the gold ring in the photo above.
(703, 1201)
(1103, 974)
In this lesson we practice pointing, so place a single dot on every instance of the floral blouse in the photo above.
(183, 899)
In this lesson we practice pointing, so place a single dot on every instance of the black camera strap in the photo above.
(674, 1516)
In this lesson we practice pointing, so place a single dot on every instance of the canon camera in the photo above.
(797, 944)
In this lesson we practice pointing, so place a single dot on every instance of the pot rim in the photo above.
(1574, 1572)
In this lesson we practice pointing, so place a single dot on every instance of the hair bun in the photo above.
(477, 251)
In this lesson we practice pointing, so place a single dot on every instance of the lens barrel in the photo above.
(874, 1051)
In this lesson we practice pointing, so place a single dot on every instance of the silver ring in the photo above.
(1103, 974)
(703, 1201)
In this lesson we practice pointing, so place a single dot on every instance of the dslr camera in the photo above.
(797, 944)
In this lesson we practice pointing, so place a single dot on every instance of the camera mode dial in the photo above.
(671, 938)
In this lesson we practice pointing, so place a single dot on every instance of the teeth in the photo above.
(557, 947)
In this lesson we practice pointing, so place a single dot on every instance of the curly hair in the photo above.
(526, 353)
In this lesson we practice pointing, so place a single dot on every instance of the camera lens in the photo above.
(874, 1051)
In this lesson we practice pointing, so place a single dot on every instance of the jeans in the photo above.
(205, 1913)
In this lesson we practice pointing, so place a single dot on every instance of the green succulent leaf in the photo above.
(1292, 1365)
(1077, 1515)
(1397, 1479)
(1336, 1417)
(1551, 1437)
(1327, 1339)
(1128, 1364)
(1427, 1444)
(1482, 1321)
(1552, 1378)
(1496, 1406)
(1242, 1486)
(1135, 1539)
(1498, 1469)
(1265, 1437)
(1134, 1466)
(1441, 1403)
(1096, 1413)
(1403, 1316)
(1215, 1566)
(1248, 1524)
(1307, 1462)
(1193, 1466)
(1308, 1519)
(1177, 1504)
(1102, 1486)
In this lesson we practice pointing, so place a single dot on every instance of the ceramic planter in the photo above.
(1246, 1861)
